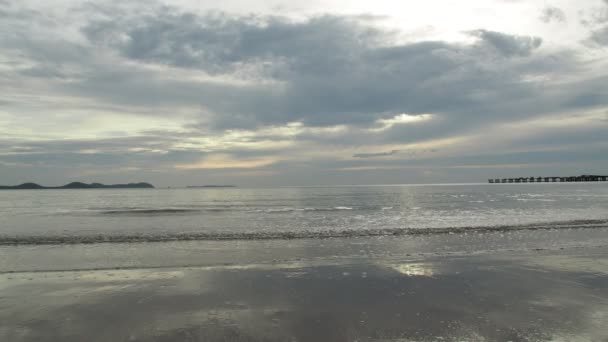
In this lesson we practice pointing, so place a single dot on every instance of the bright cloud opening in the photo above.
(401, 119)
(224, 161)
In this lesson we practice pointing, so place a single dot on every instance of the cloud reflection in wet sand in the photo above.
(474, 298)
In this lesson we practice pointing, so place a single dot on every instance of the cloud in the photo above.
(264, 70)
(600, 36)
(597, 22)
(507, 45)
(162, 87)
(375, 155)
(401, 119)
(227, 162)
(323, 70)
(553, 14)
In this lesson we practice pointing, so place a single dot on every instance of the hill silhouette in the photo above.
(78, 185)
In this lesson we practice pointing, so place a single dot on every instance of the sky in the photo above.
(279, 93)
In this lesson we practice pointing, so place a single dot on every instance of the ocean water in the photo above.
(123, 215)
(426, 263)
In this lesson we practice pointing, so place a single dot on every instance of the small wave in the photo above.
(138, 211)
(287, 210)
(277, 210)
(536, 199)
(149, 211)
(290, 235)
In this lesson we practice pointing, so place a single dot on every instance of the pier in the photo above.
(582, 178)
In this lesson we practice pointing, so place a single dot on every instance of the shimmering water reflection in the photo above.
(474, 298)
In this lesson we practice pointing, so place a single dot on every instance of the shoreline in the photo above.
(530, 296)
(193, 253)
(522, 285)
(33, 240)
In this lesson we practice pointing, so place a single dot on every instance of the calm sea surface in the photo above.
(44, 216)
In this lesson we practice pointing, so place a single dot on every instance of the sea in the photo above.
(34, 217)
(451, 262)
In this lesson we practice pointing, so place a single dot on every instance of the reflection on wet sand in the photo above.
(414, 269)
(473, 298)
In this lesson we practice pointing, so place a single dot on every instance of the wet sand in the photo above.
(558, 294)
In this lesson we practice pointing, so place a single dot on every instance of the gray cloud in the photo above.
(330, 69)
(234, 72)
(375, 155)
(408, 153)
(551, 14)
(508, 45)
(597, 22)
(600, 36)
(221, 43)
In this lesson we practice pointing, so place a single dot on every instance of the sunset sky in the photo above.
(262, 93)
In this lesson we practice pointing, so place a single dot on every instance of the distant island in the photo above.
(210, 186)
(78, 185)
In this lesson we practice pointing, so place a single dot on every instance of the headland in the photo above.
(78, 185)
